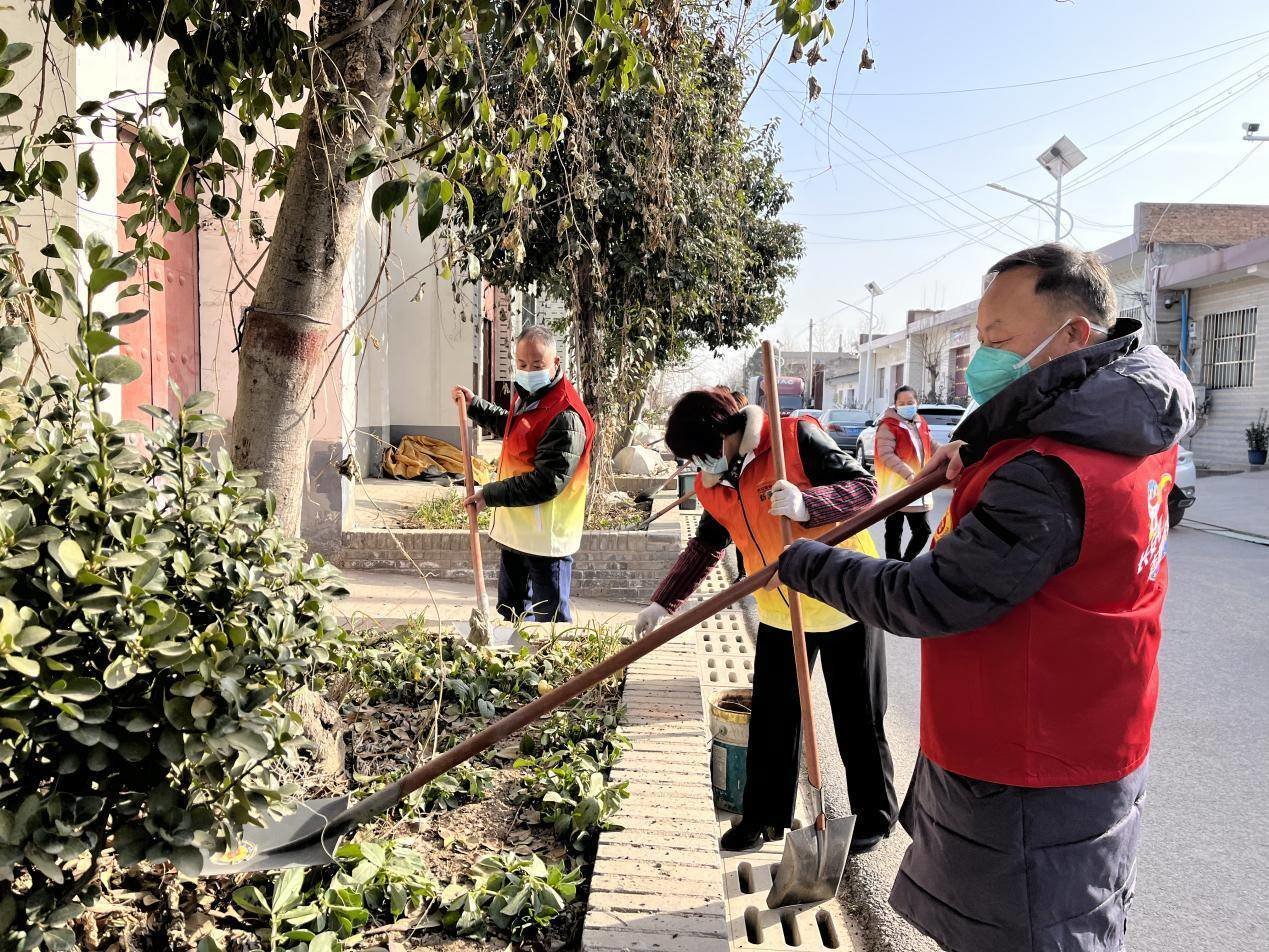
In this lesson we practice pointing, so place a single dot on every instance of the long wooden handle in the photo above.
(473, 527)
(801, 661)
(499, 730)
(657, 515)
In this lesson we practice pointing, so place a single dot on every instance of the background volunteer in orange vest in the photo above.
(903, 446)
(539, 498)
(743, 502)
(1039, 611)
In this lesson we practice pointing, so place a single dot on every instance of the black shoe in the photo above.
(744, 836)
(866, 844)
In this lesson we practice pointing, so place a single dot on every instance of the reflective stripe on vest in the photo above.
(888, 480)
(1062, 690)
(746, 515)
(552, 528)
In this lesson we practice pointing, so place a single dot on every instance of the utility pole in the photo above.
(1057, 160)
(810, 361)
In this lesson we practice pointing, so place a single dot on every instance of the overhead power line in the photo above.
(1063, 79)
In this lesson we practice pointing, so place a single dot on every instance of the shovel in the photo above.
(309, 836)
(815, 856)
(481, 627)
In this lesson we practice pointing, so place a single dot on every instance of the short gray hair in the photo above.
(1072, 279)
(540, 333)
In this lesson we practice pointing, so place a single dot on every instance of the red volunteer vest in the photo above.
(1062, 690)
(888, 481)
(553, 528)
(746, 515)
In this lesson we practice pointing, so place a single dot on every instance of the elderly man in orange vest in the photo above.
(539, 498)
(1039, 612)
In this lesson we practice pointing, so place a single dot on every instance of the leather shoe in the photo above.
(866, 844)
(745, 836)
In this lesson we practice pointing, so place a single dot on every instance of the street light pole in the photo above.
(1055, 210)
(1249, 132)
(1057, 160)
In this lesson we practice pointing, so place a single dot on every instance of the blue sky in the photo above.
(1168, 131)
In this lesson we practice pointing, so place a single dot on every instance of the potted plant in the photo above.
(1258, 439)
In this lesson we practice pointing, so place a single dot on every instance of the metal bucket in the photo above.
(728, 761)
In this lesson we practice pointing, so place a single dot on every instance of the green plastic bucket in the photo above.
(728, 762)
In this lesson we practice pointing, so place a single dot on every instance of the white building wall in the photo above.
(1220, 439)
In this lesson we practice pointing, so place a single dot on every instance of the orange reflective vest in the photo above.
(1061, 691)
(552, 528)
(745, 514)
(888, 480)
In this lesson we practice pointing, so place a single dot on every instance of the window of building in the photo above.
(958, 360)
(898, 376)
(1229, 349)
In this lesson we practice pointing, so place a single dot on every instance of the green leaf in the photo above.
(9, 104)
(25, 666)
(325, 942)
(430, 206)
(102, 278)
(100, 342)
(188, 860)
(388, 196)
(120, 671)
(86, 174)
(287, 890)
(289, 120)
(68, 555)
(14, 52)
(116, 368)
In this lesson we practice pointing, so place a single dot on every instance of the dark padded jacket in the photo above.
(558, 455)
(996, 868)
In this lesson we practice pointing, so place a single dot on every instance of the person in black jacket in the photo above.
(540, 494)
(743, 503)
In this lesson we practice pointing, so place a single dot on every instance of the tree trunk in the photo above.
(283, 343)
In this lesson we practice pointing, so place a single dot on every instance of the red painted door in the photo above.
(165, 342)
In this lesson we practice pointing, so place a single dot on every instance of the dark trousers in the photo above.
(918, 526)
(537, 586)
(854, 661)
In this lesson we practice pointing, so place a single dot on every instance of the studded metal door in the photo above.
(164, 343)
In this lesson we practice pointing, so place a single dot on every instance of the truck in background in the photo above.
(791, 390)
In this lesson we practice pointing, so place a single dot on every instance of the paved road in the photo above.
(1203, 882)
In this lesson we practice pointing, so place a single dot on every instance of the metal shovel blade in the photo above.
(271, 846)
(813, 863)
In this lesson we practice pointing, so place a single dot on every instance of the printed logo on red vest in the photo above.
(1152, 556)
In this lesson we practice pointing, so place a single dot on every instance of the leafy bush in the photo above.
(446, 511)
(152, 622)
(463, 784)
(572, 793)
(518, 894)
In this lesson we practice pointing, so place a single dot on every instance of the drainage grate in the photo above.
(726, 658)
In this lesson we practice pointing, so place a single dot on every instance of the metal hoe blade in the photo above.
(813, 863)
(271, 847)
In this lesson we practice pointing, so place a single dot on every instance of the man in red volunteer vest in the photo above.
(539, 498)
(1039, 608)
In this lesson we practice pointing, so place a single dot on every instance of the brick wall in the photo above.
(1220, 440)
(1217, 225)
(614, 566)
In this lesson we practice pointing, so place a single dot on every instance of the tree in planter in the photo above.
(658, 222)
(395, 87)
(153, 620)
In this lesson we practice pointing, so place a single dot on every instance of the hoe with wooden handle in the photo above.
(308, 836)
(815, 856)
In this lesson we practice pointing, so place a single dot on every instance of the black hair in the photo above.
(1075, 280)
(699, 421)
(904, 389)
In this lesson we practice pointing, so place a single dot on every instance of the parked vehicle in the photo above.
(810, 412)
(1184, 489)
(943, 419)
(844, 426)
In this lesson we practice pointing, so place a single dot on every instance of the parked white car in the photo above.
(1184, 489)
(942, 418)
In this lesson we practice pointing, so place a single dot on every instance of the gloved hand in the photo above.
(786, 500)
(649, 618)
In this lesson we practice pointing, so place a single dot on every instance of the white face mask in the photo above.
(534, 380)
(714, 465)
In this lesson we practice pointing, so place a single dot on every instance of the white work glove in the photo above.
(786, 500)
(649, 618)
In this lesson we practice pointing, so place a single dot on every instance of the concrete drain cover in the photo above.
(726, 659)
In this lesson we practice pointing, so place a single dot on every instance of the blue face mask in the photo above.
(534, 380)
(714, 465)
(908, 412)
(991, 369)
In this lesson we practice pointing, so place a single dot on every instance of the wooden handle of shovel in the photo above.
(500, 730)
(477, 561)
(800, 659)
